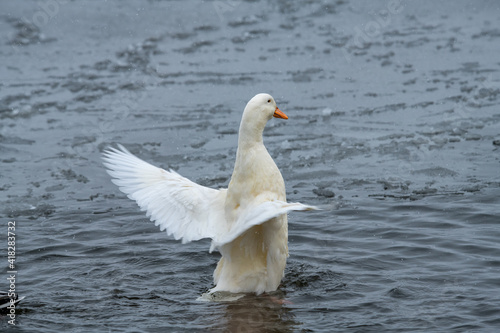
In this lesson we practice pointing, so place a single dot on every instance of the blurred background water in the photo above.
(394, 122)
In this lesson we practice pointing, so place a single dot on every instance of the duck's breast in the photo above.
(254, 173)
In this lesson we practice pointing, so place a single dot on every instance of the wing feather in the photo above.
(184, 209)
(256, 215)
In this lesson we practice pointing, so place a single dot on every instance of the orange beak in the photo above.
(279, 114)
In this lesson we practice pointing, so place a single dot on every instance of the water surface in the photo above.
(393, 123)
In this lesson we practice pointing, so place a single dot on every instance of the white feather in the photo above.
(255, 216)
(184, 209)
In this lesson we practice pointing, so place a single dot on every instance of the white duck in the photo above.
(247, 222)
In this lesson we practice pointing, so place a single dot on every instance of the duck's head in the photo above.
(257, 113)
(261, 108)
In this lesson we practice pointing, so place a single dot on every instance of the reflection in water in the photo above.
(264, 313)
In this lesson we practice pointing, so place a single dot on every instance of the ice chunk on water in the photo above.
(327, 112)
(286, 145)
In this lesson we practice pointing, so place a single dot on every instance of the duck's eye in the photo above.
(269, 101)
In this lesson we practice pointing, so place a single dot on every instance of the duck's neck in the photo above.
(250, 133)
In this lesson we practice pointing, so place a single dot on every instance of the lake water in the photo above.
(394, 127)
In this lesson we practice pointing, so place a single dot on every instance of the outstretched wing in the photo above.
(187, 211)
(256, 215)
